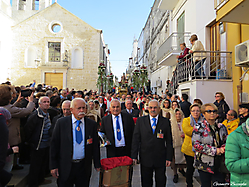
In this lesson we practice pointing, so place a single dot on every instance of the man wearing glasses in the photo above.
(152, 136)
(129, 97)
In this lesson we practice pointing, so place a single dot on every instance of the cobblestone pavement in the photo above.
(136, 177)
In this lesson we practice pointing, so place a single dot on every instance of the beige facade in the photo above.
(78, 55)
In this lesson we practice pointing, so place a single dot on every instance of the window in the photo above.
(37, 6)
(56, 28)
(54, 51)
(77, 58)
(181, 28)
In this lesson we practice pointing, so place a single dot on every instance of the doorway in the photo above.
(54, 79)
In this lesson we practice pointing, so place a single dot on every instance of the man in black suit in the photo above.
(74, 144)
(118, 128)
(130, 110)
(129, 97)
(185, 105)
(102, 104)
(152, 136)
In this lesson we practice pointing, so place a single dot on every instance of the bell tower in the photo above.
(22, 9)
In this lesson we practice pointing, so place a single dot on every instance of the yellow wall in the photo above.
(245, 37)
(233, 39)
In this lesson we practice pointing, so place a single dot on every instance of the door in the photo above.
(180, 29)
(54, 79)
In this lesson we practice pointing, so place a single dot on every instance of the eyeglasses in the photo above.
(229, 114)
(217, 96)
(211, 111)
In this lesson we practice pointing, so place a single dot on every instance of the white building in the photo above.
(173, 22)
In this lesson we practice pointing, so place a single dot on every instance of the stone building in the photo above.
(53, 46)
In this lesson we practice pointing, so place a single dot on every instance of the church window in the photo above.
(54, 51)
(77, 58)
(30, 56)
(37, 5)
(56, 28)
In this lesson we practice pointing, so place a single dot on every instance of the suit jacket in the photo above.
(61, 152)
(135, 112)
(104, 107)
(153, 151)
(134, 105)
(128, 127)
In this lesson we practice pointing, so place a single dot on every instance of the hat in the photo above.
(244, 105)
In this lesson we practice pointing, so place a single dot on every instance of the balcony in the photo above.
(167, 52)
(232, 11)
(211, 66)
(167, 4)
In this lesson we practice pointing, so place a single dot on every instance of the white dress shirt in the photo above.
(129, 111)
(78, 149)
(151, 120)
(118, 143)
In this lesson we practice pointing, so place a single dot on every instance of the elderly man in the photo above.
(37, 133)
(63, 94)
(243, 112)
(130, 110)
(118, 128)
(73, 147)
(152, 136)
(129, 97)
(65, 107)
(86, 98)
(231, 122)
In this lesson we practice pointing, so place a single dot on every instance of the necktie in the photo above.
(153, 125)
(78, 131)
(118, 129)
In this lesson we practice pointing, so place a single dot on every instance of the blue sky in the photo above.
(120, 21)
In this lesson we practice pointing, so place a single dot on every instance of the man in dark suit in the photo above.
(152, 136)
(185, 105)
(130, 110)
(129, 97)
(118, 128)
(74, 144)
(102, 104)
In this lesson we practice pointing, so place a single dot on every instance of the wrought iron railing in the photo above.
(214, 65)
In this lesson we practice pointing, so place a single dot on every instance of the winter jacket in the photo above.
(237, 156)
(206, 145)
(223, 108)
(232, 125)
(187, 143)
(34, 129)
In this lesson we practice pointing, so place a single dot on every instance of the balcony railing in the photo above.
(219, 3)
(172, 45)
(203, 65)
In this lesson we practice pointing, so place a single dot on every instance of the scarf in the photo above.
(193, 122)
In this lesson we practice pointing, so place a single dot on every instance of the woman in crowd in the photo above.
(222, 106)
(209, 140)
(166, 110)
(178, 137)
(187, 127)
(198, 101)
(146, 107)
(175, 105)
(16, 113)
(237, 155)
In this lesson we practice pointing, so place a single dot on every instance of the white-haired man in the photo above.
(152, 138)
(118, 128)
(37, 131)
(73, 147)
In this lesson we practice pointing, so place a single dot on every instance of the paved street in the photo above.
(136, 177)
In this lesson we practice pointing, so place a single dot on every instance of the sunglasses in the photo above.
(211, 111)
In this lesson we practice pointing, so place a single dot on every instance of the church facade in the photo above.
(53, 46)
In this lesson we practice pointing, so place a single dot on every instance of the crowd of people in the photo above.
(56, 132)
